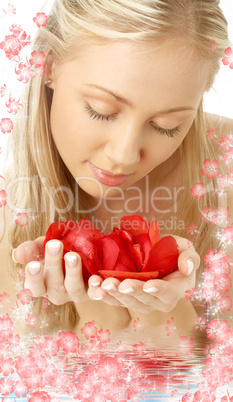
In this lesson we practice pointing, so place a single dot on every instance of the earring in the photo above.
(47, 82)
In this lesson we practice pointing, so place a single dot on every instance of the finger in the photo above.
(188, 261)
(97, 292)
(53, 271)
(34, 279)
(29, 250)
(74, 282)
(134, 288)
(125, 292)
(183, 244)
(168, 291)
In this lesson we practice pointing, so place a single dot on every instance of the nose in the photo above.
(124, 148)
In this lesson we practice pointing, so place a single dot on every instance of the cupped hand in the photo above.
(157, 294)
(46, 277)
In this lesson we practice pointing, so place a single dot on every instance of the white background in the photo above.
(219, 100)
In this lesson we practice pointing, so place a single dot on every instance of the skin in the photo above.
(152, 82)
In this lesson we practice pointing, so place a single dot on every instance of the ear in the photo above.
(49, 70)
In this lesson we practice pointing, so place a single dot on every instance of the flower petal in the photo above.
(163, 257)
(154, 232)
(134, 224)
(122, 275)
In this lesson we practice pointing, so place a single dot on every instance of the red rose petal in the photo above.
(122, 275)
(134, 224)
(154, 233)
(163, 257)
(110, 252)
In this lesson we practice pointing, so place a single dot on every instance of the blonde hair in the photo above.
(72, 24)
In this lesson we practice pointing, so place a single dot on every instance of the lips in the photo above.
(108, 178)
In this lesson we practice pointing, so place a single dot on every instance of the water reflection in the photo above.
(96, 365)
(137, 363)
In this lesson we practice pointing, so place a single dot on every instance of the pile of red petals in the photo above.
(134, 251)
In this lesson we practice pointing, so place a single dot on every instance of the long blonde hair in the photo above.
(198, 24)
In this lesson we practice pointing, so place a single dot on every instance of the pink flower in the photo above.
(22, 219)
(40, 396)
(40, 19)
(222, 215)
(38, 61)
(212, 329)
(209, 215)
(226, 399)
(226, 142)
(89, 330)
(213, 47)
(6, 125)
(140, 349)
(222, 283)
(185, 346)
(45, 346)
(6, 386)
(20, 390)
(7, 367)
(136, 324)
(228, 157)
(191, 294)
(224, 303)
(68, 341)
(3, 195)
(200, 324)
(4, 298)
(108, 368)
(211, 134)
(24, 71)
(191, 229)
(14, 43)
(11, 9)
(170, 327)
(228, 60)
(210, 169)
(203, 396)
(199, 190)
(3, 90)
(226, 180)
(103, 336)
(13, 105)
(227, 234)
(31, 320)
(25, 296)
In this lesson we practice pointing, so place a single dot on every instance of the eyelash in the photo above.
(111, 117)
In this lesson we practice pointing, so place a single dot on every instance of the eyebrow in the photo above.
(125, 101)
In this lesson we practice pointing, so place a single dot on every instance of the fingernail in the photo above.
(72, 260)
(98, 298)
(54, 247)
(34, 268)
(110, 287)
(126, 291)
(151, 290)
(95, 284)
(190, 265)
(13, 257)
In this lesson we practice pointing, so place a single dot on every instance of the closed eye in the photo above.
(98, 116)
(112, 117)
(169, 132)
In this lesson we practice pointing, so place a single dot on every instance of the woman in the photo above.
(116, 121)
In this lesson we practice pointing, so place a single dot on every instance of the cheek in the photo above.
(74, 134)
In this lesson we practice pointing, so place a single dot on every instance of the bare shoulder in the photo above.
(222, 125)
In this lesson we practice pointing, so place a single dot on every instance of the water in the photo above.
(142, 365)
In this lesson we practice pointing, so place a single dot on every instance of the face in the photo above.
(123, 108)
